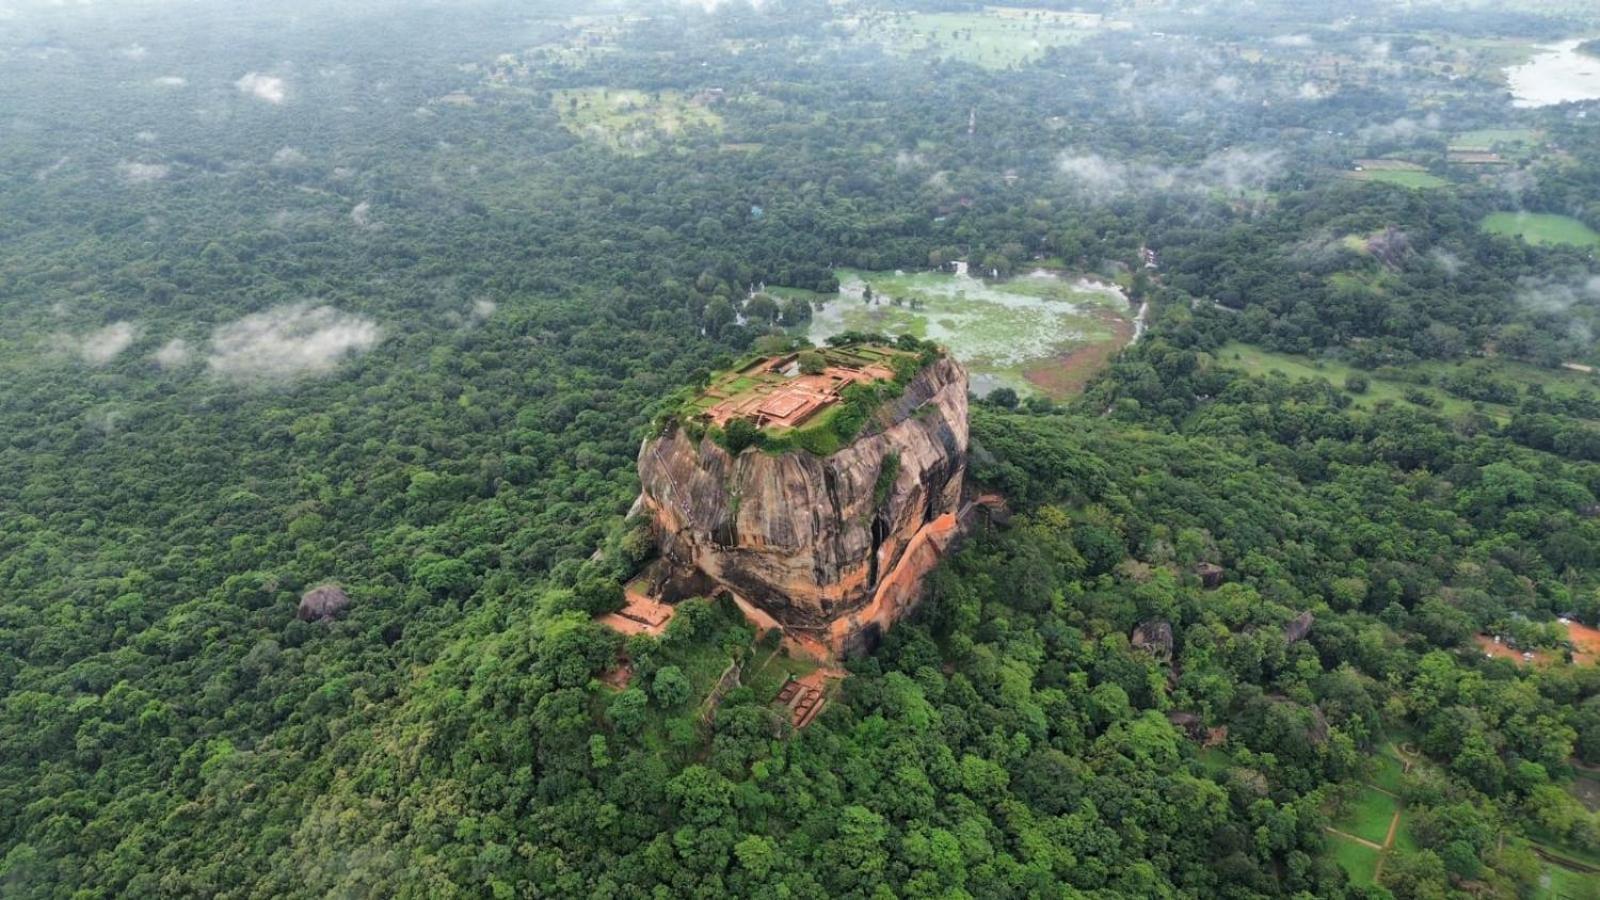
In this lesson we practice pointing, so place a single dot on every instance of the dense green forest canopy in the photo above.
(384, 296)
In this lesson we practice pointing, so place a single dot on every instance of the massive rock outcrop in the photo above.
(832, 548)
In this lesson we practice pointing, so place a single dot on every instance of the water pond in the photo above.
(1558, 73)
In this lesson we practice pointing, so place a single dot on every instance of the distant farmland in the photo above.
(1542, 228)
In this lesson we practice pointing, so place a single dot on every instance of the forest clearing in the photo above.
(1542, 228)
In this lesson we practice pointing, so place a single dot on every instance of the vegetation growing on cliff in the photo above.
(830, 428)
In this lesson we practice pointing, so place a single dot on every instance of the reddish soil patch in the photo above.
(1501, 651)
(1585, 648)
(799, 645)
(619, 676)
(790, 400)
(805, 697)
(641, 614)
(1066, 376)
(1585, 643)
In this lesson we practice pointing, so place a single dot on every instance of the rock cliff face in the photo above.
(830, 547)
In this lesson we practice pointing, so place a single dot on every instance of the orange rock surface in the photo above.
(830, 549)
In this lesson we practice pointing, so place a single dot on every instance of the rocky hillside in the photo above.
(808, 539)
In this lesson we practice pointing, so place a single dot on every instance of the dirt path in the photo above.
(1564, 862)
(1394, 821)
(1350, 837)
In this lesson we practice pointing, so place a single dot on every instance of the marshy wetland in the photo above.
(1039, 332)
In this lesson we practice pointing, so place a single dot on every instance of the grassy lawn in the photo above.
(768, 673)
(1216, 760)
(1403, 838)
(1368, 815)
(1011, 333)
(1359, 862)
(1542, 228)
(1388, 773)
(1558, 883)
(1492, 138)
(1403, 178)
(631, 122)
(995, 37)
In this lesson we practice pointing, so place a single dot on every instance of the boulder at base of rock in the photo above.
(322, 602)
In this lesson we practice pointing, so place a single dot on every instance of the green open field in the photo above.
(1558, 883)
(1216, 760)
(1359, 861)
(1495, 138)
(1368, 815)
(1033, 333)
(997, 37)
(1403, 177)
(1257, 361)
(1391, 384)
(632, 122)
(1542, 228)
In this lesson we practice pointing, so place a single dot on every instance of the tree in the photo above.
(740, 434)
(671, 687)
(627, 711)
(761, 308)
(443, 576)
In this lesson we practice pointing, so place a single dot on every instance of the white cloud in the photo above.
(905, 160)
(134, 51)
(262, 87)
(361, 214)
(1404, 130)
(1448, 262)
(288, 157)
(483, 309)
(143, 173)
(1376, 50)
(1226, 85)
(1230, 171)
(174, 354)
(1553, 295)
(51, 169)
(289, 341)
(100, 346)
(1239, 171)
(712, 5)
(1311, 91)
(170, 81)
(1294, 40)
